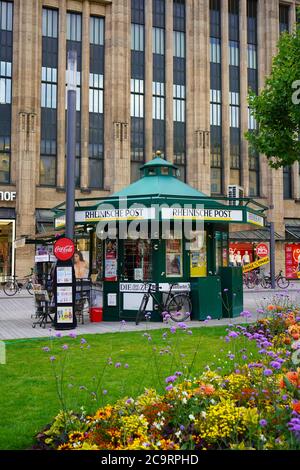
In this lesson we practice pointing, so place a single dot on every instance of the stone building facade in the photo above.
(169, 75)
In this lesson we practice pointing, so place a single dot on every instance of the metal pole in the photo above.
(71, 144)
(272, 255)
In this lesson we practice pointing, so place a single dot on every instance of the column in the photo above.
(148, 81)
(84, 177)
(169, 80)
(225, 95)
(119, 48)
(243, 96)
(26, 118)
(61, 95)
(197, 94)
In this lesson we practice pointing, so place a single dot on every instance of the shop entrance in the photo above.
(7, 230)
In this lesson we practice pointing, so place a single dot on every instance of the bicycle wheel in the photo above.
(141, 311)
(10, 287)
(179, 307)
(29, 288)
(266, 282)
(283, 282)
(251, 281)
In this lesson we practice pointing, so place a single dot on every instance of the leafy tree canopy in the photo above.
(277, 108)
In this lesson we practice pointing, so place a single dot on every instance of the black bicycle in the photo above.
(177, 305)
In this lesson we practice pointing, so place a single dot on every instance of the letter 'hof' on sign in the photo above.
(64, 249)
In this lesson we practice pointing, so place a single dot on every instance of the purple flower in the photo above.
(65, 347)
(244, 357)
(117, 365)
(126, 366)
(233, 334)
(189, 332)
(182, 326)
(246, 314)
(231, 356)
(173, 329)
(208, 317)
(52, 358)
(129, 401)
(46, 349)
(178, 373)
(169, 387)
(83, 341)
(58, 335)
(171, 379)
(268, 372)
(123, 322)
(181, 427)
(294, 426)
(284, 397)
(275, 364)
(73, 335)
(104, 392)
(166, 316)
(263, 423)
(225, 290)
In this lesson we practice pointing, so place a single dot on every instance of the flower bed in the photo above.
(256, 406)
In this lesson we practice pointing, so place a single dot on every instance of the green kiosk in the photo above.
(161, 230)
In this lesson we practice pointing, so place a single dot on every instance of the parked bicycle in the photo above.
(177, 305)
(281, 281)
(14, 285)
(255, 278)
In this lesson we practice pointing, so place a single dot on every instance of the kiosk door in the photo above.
(136, 269)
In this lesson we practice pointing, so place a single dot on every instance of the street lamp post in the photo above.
(71, 143)
(272, 255)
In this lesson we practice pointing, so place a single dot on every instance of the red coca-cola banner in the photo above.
(64, 249)
(292, 260)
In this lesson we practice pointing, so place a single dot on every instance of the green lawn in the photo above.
(28, 392)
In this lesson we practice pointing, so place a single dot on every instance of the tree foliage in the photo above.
(277, 108)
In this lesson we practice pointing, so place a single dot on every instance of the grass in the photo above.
(27, 385)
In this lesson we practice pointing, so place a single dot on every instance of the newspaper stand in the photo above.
(42, 305)
(82, 299)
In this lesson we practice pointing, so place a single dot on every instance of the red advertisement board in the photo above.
(262, 250)
(292, 260)
(64, 249)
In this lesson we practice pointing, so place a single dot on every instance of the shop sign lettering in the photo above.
(135, 287)
(204, 214)
(255, 219)
(8, 196)
(131, 213)
(256, 264)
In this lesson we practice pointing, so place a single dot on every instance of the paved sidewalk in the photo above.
(16, 317)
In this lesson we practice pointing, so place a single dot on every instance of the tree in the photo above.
(277, 108)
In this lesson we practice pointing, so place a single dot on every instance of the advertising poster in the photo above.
(110, 260)
(64, 275)
(173, 258)
(198, 261)
(64, 294)
(81, 264)
(65, 314)
(292, 261)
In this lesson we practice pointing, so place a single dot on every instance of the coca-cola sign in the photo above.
(64, 249)
(262, 250)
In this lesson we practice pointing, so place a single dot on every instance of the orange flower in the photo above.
(205, 389)
(287, 340)
(293, 378)
(271, 307)
(296, 406)
(296, 336)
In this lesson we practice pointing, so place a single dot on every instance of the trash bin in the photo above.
(232, 291)
(96, 314)
(206, 298)
(96, 303)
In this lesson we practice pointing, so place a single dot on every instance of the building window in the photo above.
(158, 86)
(96, 103)
(234, 90)
(48, 157)
(284, 11)
(6, 42)
(287, 182)
(254, 160)
(215, 97)
(137, 92)
(179, 88)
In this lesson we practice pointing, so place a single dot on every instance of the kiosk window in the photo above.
(174, 258)
(137, 260)
(198, 258)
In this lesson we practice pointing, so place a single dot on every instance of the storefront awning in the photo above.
(254, 235)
